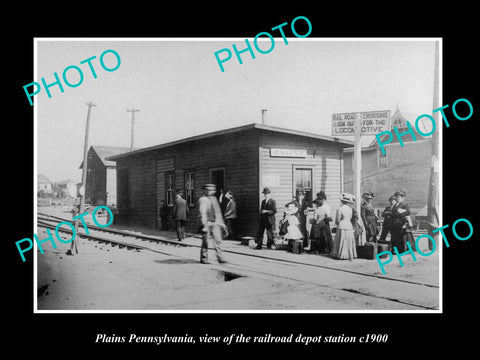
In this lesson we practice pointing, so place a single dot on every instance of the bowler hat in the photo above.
(266, 190)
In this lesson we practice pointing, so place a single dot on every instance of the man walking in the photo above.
(267, 220)
(212, 221)
(180, 215)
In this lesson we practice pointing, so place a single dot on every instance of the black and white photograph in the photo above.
(240, 186)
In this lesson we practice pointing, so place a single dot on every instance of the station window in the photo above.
(190, 188)
(169, 188)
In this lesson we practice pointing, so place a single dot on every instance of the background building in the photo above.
(43, 184)
(401, 167)
(101, 183)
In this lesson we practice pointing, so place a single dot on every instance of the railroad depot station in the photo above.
(243, 160)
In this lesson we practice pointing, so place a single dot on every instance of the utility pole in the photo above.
(263, 115)
(132, 110)
(84, 180)
(432, 206)
(357, 157)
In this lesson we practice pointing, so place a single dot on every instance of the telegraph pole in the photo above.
(132, 110)
(432, 206)
(84, 179)
(357, 157)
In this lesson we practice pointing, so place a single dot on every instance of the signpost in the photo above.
(358, 124)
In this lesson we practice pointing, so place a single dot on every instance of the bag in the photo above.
(283, 227)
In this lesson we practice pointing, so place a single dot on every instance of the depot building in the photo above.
(243, 160)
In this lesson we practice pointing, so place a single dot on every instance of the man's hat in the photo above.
(400, 193)
(230, 193)
(266, 190)
(301, 191)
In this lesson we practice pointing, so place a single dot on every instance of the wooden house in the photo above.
(401, 167)
(101, 184)
(244, 160)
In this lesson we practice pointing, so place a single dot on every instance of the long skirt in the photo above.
(344, 244)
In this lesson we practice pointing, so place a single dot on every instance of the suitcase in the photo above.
(370, 250)
(295, 246)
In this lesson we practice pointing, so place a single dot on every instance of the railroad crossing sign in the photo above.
(358, 124)
(372, 122)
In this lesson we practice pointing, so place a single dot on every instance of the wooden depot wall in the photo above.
(248, 167)
(323, 157)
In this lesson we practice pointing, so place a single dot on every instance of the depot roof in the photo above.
(231, 131)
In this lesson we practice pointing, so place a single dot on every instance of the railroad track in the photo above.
(131, 241)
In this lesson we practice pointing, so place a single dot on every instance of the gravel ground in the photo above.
(102, 277)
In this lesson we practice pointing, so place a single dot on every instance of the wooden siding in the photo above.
(161, 167)
(408, 168)
(140, 207)
(95, 189)
(237, 153)
(323, 157)
(246, 159)
(111, 183)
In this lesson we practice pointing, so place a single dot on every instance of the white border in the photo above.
(440, 161)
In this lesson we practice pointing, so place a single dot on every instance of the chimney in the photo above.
(263, 116)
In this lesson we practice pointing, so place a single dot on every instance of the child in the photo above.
(293, 235)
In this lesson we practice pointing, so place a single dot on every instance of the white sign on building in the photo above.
(372, 123)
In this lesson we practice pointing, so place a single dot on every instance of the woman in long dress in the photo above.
(344, 243)
(320, 233)
(368, 217)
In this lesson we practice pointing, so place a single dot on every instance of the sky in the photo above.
(180, 90)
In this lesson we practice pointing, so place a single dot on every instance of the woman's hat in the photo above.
(347, 198)
(400, 193)
(292, 209)
(368, 195)
(321, 195)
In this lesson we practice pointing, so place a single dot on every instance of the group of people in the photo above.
(218, 221)
(217, 215)
(348, 232)
(180, 213)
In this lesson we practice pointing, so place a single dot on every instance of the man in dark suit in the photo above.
(267, 220)
(398, 224)
(180, 215)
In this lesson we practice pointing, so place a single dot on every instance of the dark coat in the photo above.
(268, 205)
(399, 217)
(180, 209)
(231, 210)
(369, 218)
